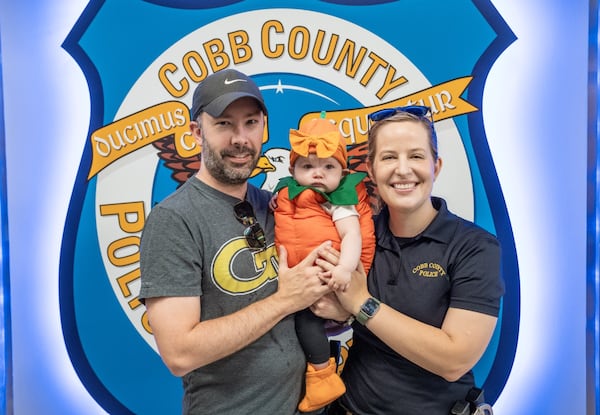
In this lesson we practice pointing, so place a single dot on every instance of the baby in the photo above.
(322, 201)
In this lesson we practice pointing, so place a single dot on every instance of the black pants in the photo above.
(313, 337)
(336, 409)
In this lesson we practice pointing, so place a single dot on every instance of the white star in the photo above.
(279, 88)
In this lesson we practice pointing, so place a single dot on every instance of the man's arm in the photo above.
(185, 343)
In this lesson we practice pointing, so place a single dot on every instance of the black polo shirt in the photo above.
(452, 263)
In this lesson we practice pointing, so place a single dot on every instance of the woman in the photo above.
(429, 306)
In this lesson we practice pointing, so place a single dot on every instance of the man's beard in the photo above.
(215, 164)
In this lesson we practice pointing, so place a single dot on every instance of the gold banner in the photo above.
(444, 100)
(122, 137)
(131, 133)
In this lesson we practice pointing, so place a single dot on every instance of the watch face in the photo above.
(370, 306)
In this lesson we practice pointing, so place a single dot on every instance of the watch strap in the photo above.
(368, 310)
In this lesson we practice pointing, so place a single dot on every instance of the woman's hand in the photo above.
(357, 292)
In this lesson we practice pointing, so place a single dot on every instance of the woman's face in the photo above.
(403, 166)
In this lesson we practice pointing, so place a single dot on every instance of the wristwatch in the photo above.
(368, 310)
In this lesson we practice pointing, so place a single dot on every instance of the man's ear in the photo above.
(196, 130)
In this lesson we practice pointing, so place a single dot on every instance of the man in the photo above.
(217, 303)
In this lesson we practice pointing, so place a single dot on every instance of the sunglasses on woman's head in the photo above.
(418, 110)
(254, 234)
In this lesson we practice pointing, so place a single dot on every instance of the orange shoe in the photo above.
(322, 387)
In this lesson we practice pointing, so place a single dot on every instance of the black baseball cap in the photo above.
(220, 89)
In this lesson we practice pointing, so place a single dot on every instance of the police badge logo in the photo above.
(142, 60)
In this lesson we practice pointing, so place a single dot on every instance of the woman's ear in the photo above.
(370, 171)
(437, 167)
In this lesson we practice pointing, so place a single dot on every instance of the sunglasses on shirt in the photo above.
(254, 234)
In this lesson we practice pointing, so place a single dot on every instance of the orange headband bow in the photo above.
(319, 137)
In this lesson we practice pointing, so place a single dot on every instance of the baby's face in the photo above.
(324, 174)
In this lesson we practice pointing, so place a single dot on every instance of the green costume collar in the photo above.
(345, 194)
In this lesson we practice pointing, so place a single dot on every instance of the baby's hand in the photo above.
(273, 203)
(340, 278)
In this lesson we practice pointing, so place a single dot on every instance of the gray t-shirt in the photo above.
(192, 245)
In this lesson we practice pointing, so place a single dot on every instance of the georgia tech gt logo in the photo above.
(265, 263)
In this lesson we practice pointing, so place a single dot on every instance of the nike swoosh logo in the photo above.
(228, 82)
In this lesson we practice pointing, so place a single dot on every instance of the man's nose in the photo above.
(239, 136)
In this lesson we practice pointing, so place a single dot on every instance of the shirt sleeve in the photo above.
(170, 258)
(339, 212)
(476, 280)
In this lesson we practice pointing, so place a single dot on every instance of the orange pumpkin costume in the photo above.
(301, 224)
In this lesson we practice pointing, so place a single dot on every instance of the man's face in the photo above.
(231, 143)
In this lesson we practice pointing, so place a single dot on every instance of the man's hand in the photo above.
(300, 286)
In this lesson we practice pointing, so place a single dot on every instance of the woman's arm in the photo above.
(449, 351)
